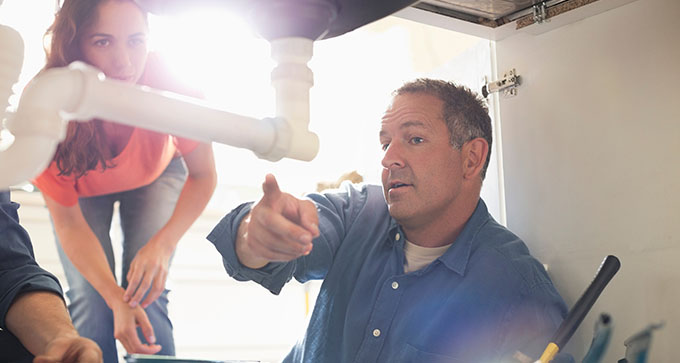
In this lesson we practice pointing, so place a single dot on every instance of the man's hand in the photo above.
(280, 227)
(72, 349)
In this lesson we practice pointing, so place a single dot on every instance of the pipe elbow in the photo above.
(11, 60)
(56, 92)
(38, 125)
(25, 158)
(304, 145)
(290, 141)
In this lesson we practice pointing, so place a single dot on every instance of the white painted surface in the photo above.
(508, 29)
(591, 149)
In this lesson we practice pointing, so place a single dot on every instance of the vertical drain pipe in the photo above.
(292, 79)
(33, 147)
(11, 61)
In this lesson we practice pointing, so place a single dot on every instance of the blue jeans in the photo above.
(143, 212)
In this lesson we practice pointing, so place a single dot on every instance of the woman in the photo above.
(101, 163)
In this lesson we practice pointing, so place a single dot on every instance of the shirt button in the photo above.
(376, 333)
(395, 285)
(397, 236)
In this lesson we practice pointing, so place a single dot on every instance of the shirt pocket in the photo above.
(411, 354)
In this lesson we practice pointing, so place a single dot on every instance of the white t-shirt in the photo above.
(418, 257)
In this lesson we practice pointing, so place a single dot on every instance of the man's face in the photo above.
(422, 172)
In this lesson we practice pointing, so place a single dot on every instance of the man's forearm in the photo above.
(36, 318)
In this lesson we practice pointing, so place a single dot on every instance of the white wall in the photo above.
(591, 154)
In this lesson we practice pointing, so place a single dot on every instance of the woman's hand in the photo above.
(87, 254)
(125, 323)
(148, 272)
(149, 268)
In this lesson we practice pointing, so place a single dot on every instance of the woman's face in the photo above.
(116, 42)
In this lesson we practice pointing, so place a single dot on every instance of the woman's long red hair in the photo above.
(86, 146)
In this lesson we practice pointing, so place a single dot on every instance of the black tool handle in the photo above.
(610, 265)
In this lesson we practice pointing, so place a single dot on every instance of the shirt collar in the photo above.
(4, 196)
(395, 234)
(458, 255)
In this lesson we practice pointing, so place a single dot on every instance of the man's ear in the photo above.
(474, 154)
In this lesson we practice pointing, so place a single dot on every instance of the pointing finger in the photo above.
(270, 187)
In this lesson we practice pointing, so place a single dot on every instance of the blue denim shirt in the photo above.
(481, 301)
(18, 270)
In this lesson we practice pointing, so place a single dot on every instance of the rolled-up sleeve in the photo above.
(337, 211)
(19, 272)
(273, 276)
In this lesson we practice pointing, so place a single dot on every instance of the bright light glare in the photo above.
(220, 54)
(30, 21)
(212, 50)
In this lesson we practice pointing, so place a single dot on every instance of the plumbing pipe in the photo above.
(25, 158)
(292, 79)
(80, 92)
(29, 153)
(11, 60)
(36, 138)
(167, 112)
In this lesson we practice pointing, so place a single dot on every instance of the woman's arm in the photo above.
(85, 252)
(149, 268)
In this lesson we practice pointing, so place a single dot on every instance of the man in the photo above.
(417, 272)
(31, 305)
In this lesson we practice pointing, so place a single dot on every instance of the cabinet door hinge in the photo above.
(508, 84)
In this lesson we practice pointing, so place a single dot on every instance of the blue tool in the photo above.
(638, 345)
(601, 337)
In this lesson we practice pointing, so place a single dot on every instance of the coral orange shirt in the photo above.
(142, 161)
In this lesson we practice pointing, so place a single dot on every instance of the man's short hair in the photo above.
(465, 113)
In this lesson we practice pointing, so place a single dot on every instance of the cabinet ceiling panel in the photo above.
(489, 9)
